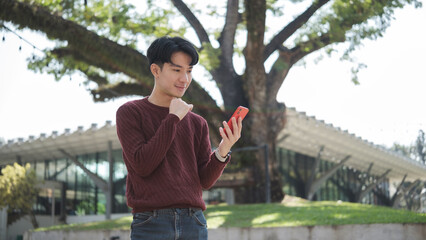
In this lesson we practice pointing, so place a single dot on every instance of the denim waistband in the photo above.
(170, 211)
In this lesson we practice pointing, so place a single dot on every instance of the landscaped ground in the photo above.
(293, 212)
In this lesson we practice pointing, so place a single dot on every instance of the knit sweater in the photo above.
(169, 161)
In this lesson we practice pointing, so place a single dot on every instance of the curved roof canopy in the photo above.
(48, 147)
(307, 135)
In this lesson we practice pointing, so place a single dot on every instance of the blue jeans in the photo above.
(172, 223)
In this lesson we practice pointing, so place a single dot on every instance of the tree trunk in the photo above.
(266, 113)
(33, 220)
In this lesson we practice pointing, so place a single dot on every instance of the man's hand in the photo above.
(179, 108)
(230, 137)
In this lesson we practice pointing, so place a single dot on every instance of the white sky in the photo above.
(388, 106)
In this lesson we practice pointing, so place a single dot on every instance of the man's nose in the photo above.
(185, 77)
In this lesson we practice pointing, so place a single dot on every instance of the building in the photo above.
(84, 174)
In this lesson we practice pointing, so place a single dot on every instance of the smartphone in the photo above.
(240, 112)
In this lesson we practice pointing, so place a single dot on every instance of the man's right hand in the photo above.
(179, 107)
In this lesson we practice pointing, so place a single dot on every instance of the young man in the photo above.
(166, 149)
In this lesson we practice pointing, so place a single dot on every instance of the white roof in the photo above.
(306, 135)
(303, 134)
(47, 147)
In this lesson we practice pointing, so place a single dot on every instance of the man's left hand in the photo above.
(229, 137)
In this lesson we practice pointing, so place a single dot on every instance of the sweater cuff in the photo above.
(174, 117)
(220, 158)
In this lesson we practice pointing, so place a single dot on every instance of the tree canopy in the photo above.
(18, 191)
(416, 151)
(100, 38)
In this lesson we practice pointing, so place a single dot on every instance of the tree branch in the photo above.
(288, 57)
(111, 91)
(279, 71)
(76, 55)
(227, 36)
(292, 27)
(88, 44)
(101, 81)
(193, 21)
(299, 51)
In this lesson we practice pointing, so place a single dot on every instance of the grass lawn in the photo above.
(293, 213)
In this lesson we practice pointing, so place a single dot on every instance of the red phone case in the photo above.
(240, 112)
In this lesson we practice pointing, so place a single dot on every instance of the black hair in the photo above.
(162, 49)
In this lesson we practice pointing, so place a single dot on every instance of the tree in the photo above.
(99, 39)
(18, 192)
(406, 151)
(417, 150)
(420, 147)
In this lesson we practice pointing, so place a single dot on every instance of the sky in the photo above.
(387, 107)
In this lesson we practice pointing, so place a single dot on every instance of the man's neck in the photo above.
(159, 101)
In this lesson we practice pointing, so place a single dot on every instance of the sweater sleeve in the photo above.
(209, 167)
(141, 154)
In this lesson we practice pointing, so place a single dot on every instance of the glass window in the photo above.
(85, 188)
(101, 203)
(61, 170)
(120, 170)
(102, 166)
(40, 170)
(89, 161)
(50, 170)
(119, 183)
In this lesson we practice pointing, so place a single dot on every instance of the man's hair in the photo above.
(162, 49)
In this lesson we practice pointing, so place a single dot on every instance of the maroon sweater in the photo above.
(169, 161)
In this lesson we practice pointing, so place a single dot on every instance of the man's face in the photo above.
(174, 78)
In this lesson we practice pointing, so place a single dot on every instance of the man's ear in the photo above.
(155, 70)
